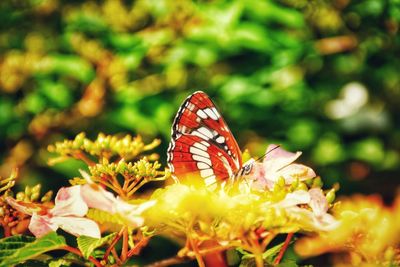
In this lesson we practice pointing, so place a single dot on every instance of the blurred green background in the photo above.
(317, 76)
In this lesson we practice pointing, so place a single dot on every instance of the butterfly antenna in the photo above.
(266, 153)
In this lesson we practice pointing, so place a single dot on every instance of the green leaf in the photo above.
(270, 254)
(288, 263)
(87, 244)
(17, 249)
(67, 260)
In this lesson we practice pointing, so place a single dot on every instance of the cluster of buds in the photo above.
(13, 220)
(278, 197)
(105, 147)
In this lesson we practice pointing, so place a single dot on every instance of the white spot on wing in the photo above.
(199, 134)
(196, 151)
(202, 165)
(201, 114)
(202, 159)
(206, 132)
(215, 112)
(191, 106)
(210, 113)
(206, 172)
(210, 180)
(220, 139)
(227, 166)
(205, 143)
(200, 146)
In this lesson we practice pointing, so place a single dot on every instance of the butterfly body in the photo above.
(202, 144)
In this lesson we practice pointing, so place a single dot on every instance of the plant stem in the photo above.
(112, 245)
(197, 254)
(116, 257)
(181, 259)
(284, 247)
(79, 253)
(84, 158)
(136, 249)
(124, 251)
(259, 260)
(168, 262)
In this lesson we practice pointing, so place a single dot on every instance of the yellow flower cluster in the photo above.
(104, 147)
(245, 219)
(369, 234)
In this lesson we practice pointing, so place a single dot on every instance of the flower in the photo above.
(276, 164)
(97, 197)
(315, 219)
(66, 214)
(369, 233)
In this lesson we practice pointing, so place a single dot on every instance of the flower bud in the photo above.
(20, 196)
(302, 186)
(281, 182)
(317, 182)
(34, 196)
(36, 188)
(47, 197)
(331, 195)
(28, 191)
(294, 185)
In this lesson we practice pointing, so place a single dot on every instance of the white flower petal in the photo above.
(78, 226)
(295, 198)
(20, 206)
(69, 202)
(293, 171)
(276, 158)
(41, 225)
(97, 197)
(132, 213)
(318, 202)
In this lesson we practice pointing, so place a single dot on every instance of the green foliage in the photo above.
(104, 147)
(316, 76)
(9, 182)
(17, 249)
(88, 244)
(287, 63)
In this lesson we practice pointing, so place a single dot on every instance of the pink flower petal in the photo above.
(310, 221)
(277, 164)
(260, 182)
(294, 199)
(96, 197)
(276, 158)
(21, 206)
(131, 212)
(293, 171)
(318, 202)
(42, 225)
(78, 226)
(69, 202)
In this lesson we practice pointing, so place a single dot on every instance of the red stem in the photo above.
(283, 249)
(136, 249)
(79, 253)
(112, 245)
(124, 251)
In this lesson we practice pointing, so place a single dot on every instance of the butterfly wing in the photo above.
(201, 142)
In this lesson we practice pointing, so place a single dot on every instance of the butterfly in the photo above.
(202, 145)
